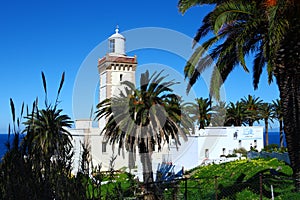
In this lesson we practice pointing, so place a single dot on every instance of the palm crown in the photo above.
(143, 118)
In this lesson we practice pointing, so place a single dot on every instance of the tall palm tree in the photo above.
(270, 30)
(202, 112)
(236, 114)
(143, 118)
(277, 109)
(266, 113)
(252, 105)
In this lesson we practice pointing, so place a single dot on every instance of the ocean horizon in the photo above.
(273, 139)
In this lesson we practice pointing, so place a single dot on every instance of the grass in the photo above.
(240, 180)
(112, 186)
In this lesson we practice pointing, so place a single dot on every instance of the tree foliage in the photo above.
(269, 30)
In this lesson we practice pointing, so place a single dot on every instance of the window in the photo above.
(255, 143)
(121, 77)
(112, 45)
(104, 147)
(223, 151)
(240, 143)
(206, 153)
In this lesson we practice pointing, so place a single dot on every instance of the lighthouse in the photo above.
(114, 68)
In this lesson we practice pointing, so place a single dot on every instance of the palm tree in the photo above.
(143, 118)
(218, 116)
(202, 112)
(266, 113)
(277, 109)
(270, 30)
(252, 105)
(46, 128)
(236, 114)
(47, 144)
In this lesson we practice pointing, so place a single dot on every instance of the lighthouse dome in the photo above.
(116, 43)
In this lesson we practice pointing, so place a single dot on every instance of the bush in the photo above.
(283, 149)
(231, 155)
(241, 150)
(271, 148)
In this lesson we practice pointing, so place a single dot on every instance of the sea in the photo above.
(3, 142)
(273, 139)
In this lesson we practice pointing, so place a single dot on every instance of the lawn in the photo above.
(242, 179)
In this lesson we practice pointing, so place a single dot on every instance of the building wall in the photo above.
(208, 144)
(213, 142)
(101, 151)
(118, 77)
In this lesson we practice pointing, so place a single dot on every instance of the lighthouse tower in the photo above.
(114, 68)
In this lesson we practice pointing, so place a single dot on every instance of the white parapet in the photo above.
(83, 123)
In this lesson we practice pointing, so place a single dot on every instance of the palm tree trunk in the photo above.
(288, 80)
(281, 133)
(287, 74)
(147, 172)
(267, 131)
(146, 161)
(250, 122)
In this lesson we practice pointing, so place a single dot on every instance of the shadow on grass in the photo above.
(260, 183)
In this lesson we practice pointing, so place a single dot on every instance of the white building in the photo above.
(208, 144)
(213, 143)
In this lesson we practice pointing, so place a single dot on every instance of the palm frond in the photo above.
(258, 65)
(45, 88)
(60, 86)
(241, 57)
(229, 12)
(203, 30)
(184, 5)
(144, 81)
(13, 111)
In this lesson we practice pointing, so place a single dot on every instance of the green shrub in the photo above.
(241, 150)
(290, 196)
(231, 155)
(271, 148)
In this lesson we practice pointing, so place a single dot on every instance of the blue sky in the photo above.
(57, 36)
